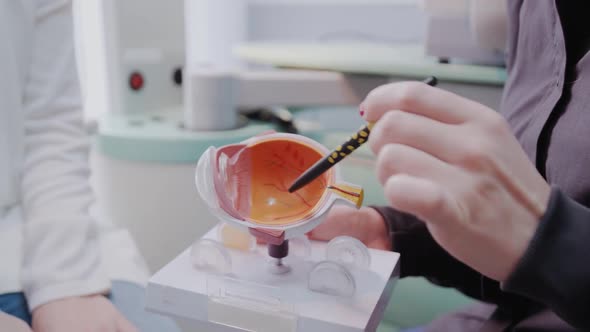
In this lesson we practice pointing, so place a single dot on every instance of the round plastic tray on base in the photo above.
(333, 276)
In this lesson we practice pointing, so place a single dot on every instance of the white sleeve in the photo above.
(61, 247)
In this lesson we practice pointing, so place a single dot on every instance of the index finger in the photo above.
(422, 99)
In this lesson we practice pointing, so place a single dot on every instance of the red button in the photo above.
(136, 81)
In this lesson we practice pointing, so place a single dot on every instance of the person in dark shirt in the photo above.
(493, 204)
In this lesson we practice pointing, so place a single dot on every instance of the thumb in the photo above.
(341, 220)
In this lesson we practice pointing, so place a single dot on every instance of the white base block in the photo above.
(252, 299)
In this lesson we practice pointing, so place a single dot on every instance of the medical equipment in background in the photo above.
(148, 38)
(145, 41)
(213, 93)
(471, 31)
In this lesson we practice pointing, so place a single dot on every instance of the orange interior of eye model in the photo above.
(275, 164)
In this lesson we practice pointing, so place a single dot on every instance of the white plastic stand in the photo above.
(246, 297)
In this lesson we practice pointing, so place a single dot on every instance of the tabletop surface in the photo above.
(406, 60)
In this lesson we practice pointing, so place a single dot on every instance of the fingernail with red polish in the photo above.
(362, 110)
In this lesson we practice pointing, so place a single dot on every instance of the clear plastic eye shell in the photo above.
(300, 247)
(331, 278)
(204, 178)
(235, 238)
(209, 255)
(348, 251)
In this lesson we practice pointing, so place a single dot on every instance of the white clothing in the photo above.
(50, 245)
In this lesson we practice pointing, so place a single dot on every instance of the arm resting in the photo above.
(422, 256)
(554, 270)
(61, 241)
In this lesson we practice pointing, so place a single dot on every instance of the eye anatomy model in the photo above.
(246, 185)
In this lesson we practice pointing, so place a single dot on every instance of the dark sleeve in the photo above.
(421, 256)
(555, 269)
